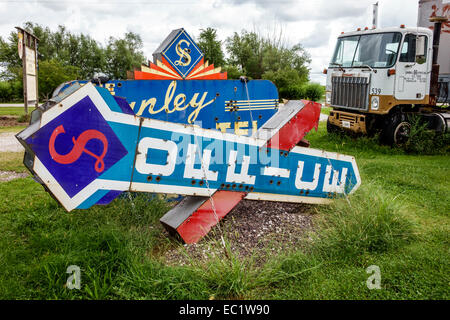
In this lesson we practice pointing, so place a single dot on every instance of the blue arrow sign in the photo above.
(89, 148)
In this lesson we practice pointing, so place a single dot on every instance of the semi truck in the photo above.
(379, 80)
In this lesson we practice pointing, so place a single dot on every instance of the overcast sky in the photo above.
(313, 23)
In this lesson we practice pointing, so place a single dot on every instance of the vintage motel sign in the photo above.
(152, 134)
(212, 104)
(90, 147)
(179, 86)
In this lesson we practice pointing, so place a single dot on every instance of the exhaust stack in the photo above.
(434, 85)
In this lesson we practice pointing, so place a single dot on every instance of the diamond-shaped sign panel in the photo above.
(77, 147)
(182, 53)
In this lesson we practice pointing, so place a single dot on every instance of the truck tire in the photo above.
(331, 128)
(397, 130)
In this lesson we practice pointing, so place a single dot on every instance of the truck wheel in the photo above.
(331, 128)
(401, 133)
(397, 130)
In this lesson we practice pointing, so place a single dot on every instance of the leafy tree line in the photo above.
(259, 57)
(65, 56)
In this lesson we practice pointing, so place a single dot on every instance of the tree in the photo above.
(76, 50)
(288, 82)
(64, 56)
(10, 63)
(211, 47)
(246, 52)
(232, 71)
(51, 74)
(5, 91)
(282, 58)
(69, 49)
(124, 54)
(270, 58)
(85, 53)
(255, 55)
(314, 91)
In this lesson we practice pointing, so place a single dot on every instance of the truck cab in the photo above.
(376, 71)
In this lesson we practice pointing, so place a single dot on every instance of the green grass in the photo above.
(325, 110)
(18, 113)
(397, 220)
(14, 111)
(12, 161)
(14, 129)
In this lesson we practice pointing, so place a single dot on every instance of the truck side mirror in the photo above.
(420, 49)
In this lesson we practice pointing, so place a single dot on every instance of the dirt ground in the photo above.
(10, 121)
(8, 142)
(252, 228)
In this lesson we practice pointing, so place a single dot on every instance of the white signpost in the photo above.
(27, 47)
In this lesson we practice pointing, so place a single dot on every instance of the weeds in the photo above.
(425, 141)
(398, 220)
(24, 118)
(371, 222)
(422, 141)
(354, 144)
(228, 277)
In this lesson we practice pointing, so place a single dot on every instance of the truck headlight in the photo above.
(328, 98)
(375, 103)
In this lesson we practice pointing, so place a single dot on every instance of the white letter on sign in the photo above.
(335, 186)
(191, 172)
(299, 184)
(243, 176)
(149, 168)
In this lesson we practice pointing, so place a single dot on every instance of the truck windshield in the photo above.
(378, 50)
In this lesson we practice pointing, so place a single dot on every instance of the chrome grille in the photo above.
(350, 92)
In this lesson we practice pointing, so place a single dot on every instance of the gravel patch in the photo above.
(256, 229)
(9, 143)
(11, 175)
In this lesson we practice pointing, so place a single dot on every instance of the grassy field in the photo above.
(398, 220)
(14, 111)
(14, 129)
(325, 110)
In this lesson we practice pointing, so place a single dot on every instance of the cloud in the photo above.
(395, 13)
(314, 23)
(56, 6)
(319, 37)
(291, 10)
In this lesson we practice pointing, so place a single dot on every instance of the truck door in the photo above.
(412, 74)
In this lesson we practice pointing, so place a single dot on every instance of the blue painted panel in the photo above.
(76, 159)
(153, 156)
(259, 159)
(182, 53)
(163, 100)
